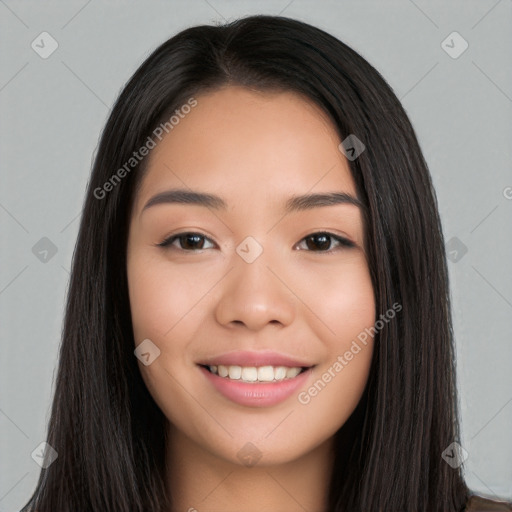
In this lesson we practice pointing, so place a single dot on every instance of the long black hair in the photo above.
(109, 433)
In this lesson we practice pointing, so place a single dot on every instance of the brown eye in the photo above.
(187, 241)
(316, 242)
(321, 242)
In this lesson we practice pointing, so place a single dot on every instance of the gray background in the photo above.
(52, 112)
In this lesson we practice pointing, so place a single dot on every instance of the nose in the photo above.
(254, 295)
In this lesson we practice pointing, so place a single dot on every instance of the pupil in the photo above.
(324, 241)
(190, 240)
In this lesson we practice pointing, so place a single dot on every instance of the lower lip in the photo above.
(256, 395)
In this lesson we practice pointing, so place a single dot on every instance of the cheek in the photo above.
(162, 303)
(341, 296)
(343, 300)
(160, 296)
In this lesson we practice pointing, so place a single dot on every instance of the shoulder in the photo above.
(481, 504)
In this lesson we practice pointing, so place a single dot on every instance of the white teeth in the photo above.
(255, 374)
(265, 373)
(280, 373)
(250, 374)
(235, 372)
(292, 372)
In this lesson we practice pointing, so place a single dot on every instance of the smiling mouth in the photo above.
(256, 374)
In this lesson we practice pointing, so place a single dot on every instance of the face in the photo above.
(244, 285)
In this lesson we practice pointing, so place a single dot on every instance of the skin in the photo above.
(254, 150)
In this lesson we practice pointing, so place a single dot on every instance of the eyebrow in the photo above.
(293, 204)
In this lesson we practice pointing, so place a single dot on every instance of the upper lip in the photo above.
(252, 358)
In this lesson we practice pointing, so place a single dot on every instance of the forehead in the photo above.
(245, 144)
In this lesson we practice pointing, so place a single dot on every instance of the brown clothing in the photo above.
(481, 504)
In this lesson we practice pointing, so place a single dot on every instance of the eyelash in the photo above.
(344, 243)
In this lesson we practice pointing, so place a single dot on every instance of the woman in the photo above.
(259, 315)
